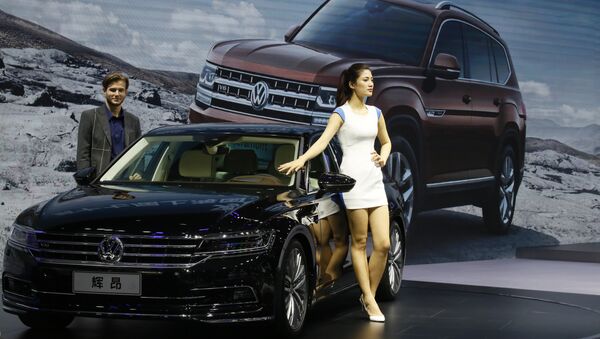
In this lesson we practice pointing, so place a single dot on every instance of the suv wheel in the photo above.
(46, 321)
(292, 291)
(404, 172)
(392, 277)
(499, 208)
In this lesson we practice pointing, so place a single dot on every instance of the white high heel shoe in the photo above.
(374, 318)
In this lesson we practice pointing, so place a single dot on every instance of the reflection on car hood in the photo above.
(149, 208)
(278, 58)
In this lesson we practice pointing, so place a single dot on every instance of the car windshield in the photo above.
(229, 159)
(368, 28)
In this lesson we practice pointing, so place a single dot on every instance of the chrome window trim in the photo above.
(496, 40)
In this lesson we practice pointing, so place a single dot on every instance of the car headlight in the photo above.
(237, 242)
(207, 76)
(23, 236)
(205, 84)
(326, 99)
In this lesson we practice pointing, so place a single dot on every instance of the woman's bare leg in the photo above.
(322, 233)
(359, 222)
(380, 232)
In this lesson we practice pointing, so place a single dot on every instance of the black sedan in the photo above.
(190, 222)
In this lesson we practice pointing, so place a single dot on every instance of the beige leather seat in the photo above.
(196, 164)
(284, 153)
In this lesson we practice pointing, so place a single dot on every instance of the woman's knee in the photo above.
(382, 246)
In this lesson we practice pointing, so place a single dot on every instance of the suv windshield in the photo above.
(229, 159)
(368, 28)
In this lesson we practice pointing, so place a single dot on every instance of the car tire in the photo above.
(292, 291)
(46, 321)
(404, 172)
(499, 207)
(392, 276)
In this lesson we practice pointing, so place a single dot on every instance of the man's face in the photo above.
(115, 93)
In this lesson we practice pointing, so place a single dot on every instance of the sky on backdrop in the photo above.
(555, 44)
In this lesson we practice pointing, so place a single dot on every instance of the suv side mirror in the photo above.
(84, 176)
(291, 32)
(335, 182)
(445, 66)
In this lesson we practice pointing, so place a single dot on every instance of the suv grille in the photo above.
(138, 250)
(287, 100)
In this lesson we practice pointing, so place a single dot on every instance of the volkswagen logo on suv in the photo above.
(110, 249)
(259, 95)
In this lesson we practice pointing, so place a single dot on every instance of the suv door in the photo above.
(448, 111)
(489, 71)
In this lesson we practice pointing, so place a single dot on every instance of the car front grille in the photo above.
(288, 101)
(138, 250)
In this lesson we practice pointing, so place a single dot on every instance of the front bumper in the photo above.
(198, 114)
(228, 289)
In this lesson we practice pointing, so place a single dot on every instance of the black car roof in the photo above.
(277, 129)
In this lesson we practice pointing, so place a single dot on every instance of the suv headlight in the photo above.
(326, 99)
(237, 242)
(23, 236)
(205, 84)
(207, 76)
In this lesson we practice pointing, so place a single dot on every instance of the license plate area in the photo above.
(107, 283)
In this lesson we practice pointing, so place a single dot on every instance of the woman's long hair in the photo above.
(344, 92)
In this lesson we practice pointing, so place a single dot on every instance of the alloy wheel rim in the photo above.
(294, 286)
(403, 176)
(395, 263)
(506, 192)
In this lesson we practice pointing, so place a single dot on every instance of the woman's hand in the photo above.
(291, 167)
(377, 159)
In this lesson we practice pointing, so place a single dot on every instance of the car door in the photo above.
(448, 108)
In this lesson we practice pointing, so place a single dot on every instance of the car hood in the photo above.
(143, 209)
(285, 60)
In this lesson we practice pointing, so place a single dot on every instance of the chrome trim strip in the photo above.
(273, 91)
(268, 77)
(119, 264)
(122, 236)
(268, 106)
(153, 255)
(140, 315)
(459, 182)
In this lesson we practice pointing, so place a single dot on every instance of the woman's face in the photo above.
(363, 87)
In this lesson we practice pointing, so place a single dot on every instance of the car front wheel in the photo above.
(292, 291)
(499, 208)
(392, 277)
(403, 170)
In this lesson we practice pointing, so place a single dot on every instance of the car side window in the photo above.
(478, 54)
(450, 41)
(501, 61)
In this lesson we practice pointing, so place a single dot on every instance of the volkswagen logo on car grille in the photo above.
(110, 249)
(259, 96)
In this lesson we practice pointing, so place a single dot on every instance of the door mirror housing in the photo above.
(445, 66)
(85, 176)
(335, 182)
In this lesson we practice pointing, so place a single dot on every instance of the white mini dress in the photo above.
(357, 140)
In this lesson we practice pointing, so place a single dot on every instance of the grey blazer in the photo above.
(93, 139)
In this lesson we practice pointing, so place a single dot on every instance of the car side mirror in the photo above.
(84, 176)
(335, 182)
(445, 66)
(291, 32)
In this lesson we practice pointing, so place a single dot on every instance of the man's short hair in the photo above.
(113, 77)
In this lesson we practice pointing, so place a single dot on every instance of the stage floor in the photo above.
(422, 310)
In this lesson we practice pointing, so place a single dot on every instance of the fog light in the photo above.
(16, 286)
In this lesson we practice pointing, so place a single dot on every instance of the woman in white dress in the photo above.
(357, 125)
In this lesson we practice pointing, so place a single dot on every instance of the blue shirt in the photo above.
(117, 132)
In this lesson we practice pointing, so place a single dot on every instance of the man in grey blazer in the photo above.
(105, 131)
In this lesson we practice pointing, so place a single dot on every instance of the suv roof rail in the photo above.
(450, 4)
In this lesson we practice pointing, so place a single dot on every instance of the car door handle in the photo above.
(497, 102)
(466, 98)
